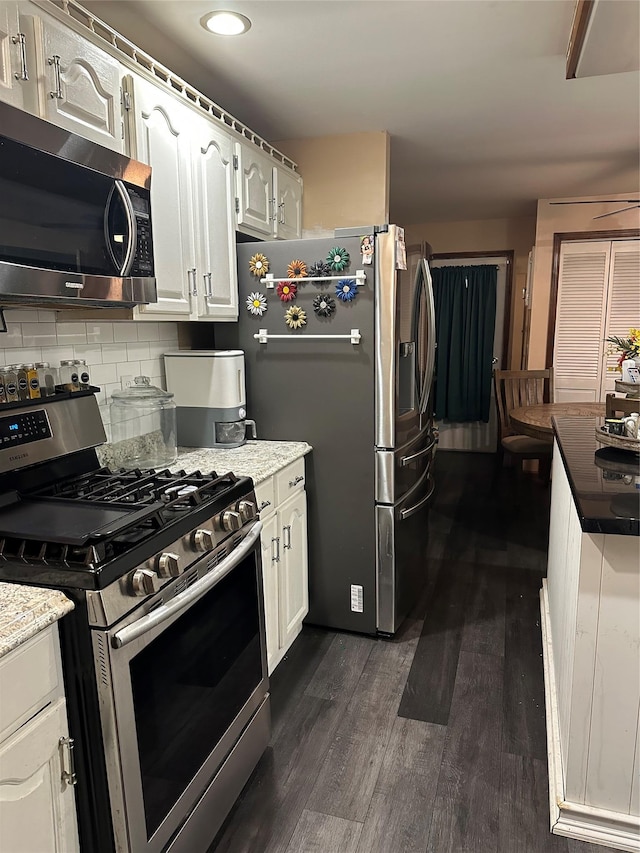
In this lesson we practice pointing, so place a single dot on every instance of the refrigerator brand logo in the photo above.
(74, 285)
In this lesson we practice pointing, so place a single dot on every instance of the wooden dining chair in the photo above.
(516, 388)
(620, 406)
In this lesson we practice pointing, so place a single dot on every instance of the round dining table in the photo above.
(536, 420)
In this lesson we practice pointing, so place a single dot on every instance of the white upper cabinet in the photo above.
(288, 195)
(162, 141)
(268, 196)
(216, 271)
(255, 207)
(78, 83)
(17, 74)
(192, 193)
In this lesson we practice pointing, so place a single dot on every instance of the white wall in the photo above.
(111, 350)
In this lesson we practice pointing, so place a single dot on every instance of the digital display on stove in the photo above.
(23, 428)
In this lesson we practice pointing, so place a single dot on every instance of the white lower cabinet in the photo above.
(37, 804)
(284, 564)
(293, 574)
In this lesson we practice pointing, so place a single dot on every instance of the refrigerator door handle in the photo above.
(427, 286)
(406, 513)
(407, 460)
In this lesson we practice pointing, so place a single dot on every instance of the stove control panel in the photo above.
(24, 427)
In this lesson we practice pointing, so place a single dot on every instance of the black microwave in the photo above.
(75, 218)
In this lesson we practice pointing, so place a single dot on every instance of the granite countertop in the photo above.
(605, 482)
(255, 459)
(26, 610)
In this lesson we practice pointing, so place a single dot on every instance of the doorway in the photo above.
(478, 436)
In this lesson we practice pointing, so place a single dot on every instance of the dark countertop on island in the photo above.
(605, 482)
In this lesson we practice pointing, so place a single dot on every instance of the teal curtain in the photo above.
(465, 302)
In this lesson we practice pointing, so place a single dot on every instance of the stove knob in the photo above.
(169, 565)
(230, 520)
(203, 540)
(144, 582)
(247, 510)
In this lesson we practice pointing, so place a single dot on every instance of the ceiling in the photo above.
(473, 94)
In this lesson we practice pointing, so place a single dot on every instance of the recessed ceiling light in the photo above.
(226, 23)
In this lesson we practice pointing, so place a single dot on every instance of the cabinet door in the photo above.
(288, 193)
(254, 190)
(37, 808)
(270, 550)
(293, 567)
(217, 280)
(14, 62)
(78, 83)
(162, 141)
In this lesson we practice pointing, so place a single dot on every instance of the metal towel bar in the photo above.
(263, 337)
(359, 276)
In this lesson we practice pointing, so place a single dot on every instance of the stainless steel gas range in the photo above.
(164, 655)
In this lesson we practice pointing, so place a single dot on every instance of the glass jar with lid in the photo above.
(143, 425)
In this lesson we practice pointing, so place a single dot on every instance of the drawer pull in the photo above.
(264, 505)
(286, 539)
(276, 559)
(295, 482)
(68, 776)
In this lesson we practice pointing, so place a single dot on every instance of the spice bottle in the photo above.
(32, 381)
(11, 384)
(3, 394)
(46, 378)
(23, 382)
(83, 373)
(69, 379)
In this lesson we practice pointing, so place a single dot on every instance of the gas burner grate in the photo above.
(178, 491)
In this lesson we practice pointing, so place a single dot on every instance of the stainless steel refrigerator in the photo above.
(356, 385)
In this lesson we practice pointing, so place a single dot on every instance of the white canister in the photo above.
(629, 370)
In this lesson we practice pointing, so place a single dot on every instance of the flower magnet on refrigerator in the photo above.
(287, 292)
(295, 317)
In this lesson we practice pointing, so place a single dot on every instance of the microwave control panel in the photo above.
(24, 428)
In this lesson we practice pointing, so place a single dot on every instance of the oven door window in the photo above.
(189, 684)
(52, 213)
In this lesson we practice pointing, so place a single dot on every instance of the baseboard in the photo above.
(575, 820)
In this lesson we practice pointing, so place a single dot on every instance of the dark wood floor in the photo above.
(433, 742)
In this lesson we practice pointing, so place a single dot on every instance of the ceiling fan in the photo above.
(631, 202)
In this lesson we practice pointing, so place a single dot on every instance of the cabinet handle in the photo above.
(272, 215)
(68, 776)
(281, 206)
(264, 505)
(208, 290)
(295, 482)
(191, 276)
(287, 542)
(20, 39)
(276, 559)
(55, 61)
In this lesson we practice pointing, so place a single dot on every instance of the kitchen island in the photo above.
(590, 606)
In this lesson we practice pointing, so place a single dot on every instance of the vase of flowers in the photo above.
(627, 348)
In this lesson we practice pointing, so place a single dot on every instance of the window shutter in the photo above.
(623, 308)
(580, 320)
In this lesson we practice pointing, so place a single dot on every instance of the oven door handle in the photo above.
(190, 595)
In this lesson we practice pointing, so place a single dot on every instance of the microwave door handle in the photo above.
(190, 595)
(132, 237)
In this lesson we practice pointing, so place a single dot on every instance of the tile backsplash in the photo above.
(111, 350)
